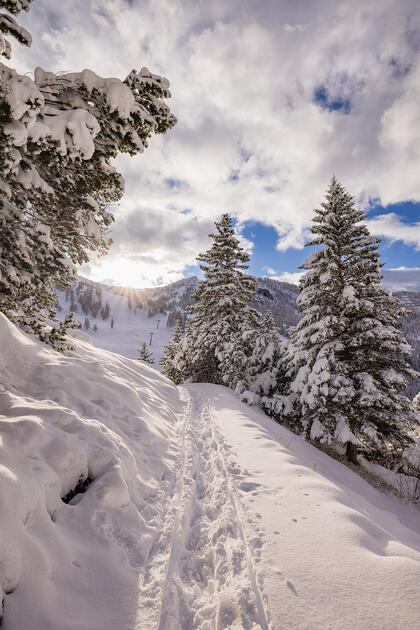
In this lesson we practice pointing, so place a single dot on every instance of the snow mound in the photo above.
(93, 417)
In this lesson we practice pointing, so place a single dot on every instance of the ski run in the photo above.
(197, 511)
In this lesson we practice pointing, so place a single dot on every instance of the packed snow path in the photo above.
(268, 533)
(211, 579)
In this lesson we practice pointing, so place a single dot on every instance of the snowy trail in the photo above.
(259, 528)
(211, 581)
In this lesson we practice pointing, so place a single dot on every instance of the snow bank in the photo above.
(94, 416)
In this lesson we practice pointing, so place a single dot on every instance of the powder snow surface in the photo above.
(202, 514)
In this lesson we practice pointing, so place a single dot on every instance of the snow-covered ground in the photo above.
(201, 513)
(130, 328)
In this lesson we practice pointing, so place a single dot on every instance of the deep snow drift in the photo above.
(201, 512)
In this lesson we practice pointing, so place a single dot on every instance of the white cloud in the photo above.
(291, 278)
(391, 226)
(250, 139)
(404, 268)
(402, 278)
(270, 271)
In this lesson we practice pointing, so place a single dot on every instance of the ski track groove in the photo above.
(210, 581)
(256, 578)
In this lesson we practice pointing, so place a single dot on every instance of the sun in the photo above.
(129, 273)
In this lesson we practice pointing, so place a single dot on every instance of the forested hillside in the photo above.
(110, 309)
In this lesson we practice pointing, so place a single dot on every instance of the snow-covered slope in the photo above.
(125, 329)
(198, 513)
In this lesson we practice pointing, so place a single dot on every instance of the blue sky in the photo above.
(272, 98)
(394, 253)
(267, 260)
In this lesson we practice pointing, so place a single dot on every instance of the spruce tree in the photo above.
(145, 354)
(221, 311)
(349, 353)
(59, 134)
(57, 337)
(266, 370)
(170, 358)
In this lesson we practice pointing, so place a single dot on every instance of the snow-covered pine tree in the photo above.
(348, 347)
(416, 402)
(9, 26)
(221, 311)
(58, 135)
(145, 354)
(170, 356)
(266, 369)
(57, 337)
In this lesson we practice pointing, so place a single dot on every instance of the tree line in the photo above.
(339, 381)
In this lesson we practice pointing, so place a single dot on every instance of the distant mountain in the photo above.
(121, 318)
(173, 299)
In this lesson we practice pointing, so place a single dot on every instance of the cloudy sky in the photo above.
(272, 97)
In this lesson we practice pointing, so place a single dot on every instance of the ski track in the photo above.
(204, 568)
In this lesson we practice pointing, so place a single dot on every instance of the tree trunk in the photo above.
(351, 453)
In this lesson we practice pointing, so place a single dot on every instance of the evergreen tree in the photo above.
(145, 354)
(171, 358)
(266, 369)
(105, 311)
(349, 353)
(59, 134)
(57, 337)
(221, 310)
(9, 26)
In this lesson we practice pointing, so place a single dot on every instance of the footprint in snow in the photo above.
(290, 585)
(248, 486)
